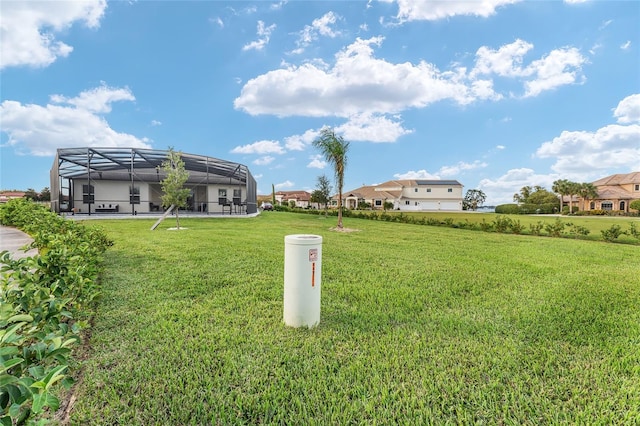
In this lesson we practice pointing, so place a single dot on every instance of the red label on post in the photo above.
(313, 255)
(313, 275)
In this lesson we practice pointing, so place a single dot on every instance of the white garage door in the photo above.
(429, 205)
(449, 205)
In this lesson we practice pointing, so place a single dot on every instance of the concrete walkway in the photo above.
(13, 240)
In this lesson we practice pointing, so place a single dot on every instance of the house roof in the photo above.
(12, 194)
(372, 192)
(295, 195)
(613, 192)
(392, 189)
(619, 179)
(420, 182)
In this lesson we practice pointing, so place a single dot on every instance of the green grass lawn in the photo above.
(595, 224)
(419, 325)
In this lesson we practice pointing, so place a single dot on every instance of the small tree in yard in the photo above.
(473, 199)
(334, 149)
(173, 184)
(635, 205)
(321, 194)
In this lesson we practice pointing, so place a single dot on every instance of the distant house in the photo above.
(301, 199)
(10, 195)
(615, 192)
(407, 195)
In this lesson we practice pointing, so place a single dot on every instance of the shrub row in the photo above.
(501, 224)
(527, 208)
(45, 302)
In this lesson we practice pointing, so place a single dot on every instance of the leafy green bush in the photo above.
(516, 227)
(536, 228)
(555, 228)
(527, 208)
(45, 301)
(611, 234)
(578, 230)
(508, 209)
(547, 208)
(501, 224)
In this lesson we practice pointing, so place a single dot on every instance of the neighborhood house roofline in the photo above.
(438, 182)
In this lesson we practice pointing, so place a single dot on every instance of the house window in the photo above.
(378, 203)
(622, 206)
(428, 189)
(222, 193)
(592, 206)
(134, 195)
(607, 205)
(637, 187)
(417, 204)
(415, 190)
(407, 202)
(237, 193)
(450, 190)
(87, 194)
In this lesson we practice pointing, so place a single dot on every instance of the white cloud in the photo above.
(628, 110)
(505, 61)
(420, 174)
(260, 147)
(264, 34)
(285, 184)
(156, 123)
(431, 10)
(299, 142)
(40, 130)
(28, 29)
(97, 100)
(502, 189)
(594, 49)
(500, 147)
(359, 83)
(558, 68)
(319, 27)
(317, 162)
(610, 147)
(626, 45)
(263, 161)
(372, 128)
(277, 6)
(605, 24)
(460, 167)
(218, 21)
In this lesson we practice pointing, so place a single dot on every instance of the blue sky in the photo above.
(497, 94)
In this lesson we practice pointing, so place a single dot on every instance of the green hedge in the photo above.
(45, 303)
(549, 208)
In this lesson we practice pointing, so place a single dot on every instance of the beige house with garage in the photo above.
(407, 195)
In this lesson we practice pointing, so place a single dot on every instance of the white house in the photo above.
(407, 195)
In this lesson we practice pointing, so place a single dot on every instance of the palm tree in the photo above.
(572, 189)
(561, 187)
(334, 149)
(587, 191)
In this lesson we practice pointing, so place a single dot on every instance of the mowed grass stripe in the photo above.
(418, 324)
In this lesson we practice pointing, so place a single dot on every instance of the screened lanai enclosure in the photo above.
(128, 180)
